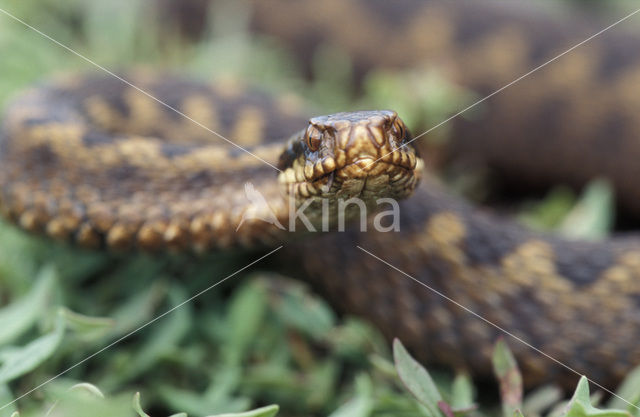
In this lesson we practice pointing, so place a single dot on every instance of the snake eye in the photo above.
(398, 129)
(313, 137)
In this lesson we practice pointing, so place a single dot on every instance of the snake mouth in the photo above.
(361, 167)
(398, 173)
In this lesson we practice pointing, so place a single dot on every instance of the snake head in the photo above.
(363, 154)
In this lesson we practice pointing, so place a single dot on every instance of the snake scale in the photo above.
(91, 160)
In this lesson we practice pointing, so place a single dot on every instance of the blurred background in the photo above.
(264, 339)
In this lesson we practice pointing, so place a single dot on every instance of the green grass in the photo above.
(262, 340)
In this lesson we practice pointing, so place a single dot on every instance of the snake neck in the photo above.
(541, 288)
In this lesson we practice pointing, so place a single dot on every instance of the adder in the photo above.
(93, 161)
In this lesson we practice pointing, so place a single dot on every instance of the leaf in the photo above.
(89, 388)
(580, 404)
(219, 396)
(137, 407)
(138, 309)
(300, 310)
(462, 392)
(246, 313)
(357, 407)
(362, 404)
(549, 213)
(508, 374)
(165, 335)
(382, 365)
(88, 327)
(75, 403)
(20, 315)
(100, 20)
(592, 217)
(197, 404)
(322, 380)
(416, 379)
(268, 411)
(629, 390)
(6, 402)
(541, 399)
(19, 361)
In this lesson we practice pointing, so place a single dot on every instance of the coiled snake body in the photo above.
(94, 161)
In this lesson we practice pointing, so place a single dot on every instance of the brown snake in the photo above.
(92, 161)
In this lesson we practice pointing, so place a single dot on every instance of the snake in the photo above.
(162, 162)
